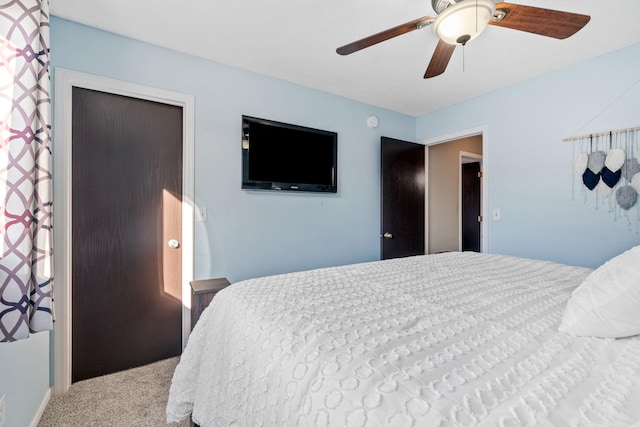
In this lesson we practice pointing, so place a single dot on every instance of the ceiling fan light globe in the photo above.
(463, 21)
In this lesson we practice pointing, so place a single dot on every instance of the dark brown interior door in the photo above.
(126, 207)
(471, 207)
(402, 188)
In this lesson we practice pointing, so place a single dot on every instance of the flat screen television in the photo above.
(281, 156)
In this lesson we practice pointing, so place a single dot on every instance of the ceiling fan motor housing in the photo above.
(461, 21)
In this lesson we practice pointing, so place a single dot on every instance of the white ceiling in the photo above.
(295, 40)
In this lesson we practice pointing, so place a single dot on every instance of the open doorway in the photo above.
(445, 196)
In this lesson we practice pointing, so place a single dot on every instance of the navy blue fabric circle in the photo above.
(590, 179)
(610, 178)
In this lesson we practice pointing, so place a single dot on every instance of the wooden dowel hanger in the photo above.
(593, 135)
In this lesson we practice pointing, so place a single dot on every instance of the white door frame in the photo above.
(470, 158)
(481, 130)
(65, 81)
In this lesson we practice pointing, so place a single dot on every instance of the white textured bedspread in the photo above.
(455, 339)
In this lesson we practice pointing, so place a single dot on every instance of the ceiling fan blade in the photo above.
(440, 59)
(385, 35)
(536, 20)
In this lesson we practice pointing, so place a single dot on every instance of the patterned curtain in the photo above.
(26, 283)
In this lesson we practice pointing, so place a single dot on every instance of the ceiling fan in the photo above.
(460, 21)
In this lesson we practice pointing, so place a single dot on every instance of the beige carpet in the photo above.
(136, 397)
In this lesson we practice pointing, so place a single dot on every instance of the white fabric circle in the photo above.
(580, 163)
(604, 189)
(615, 159)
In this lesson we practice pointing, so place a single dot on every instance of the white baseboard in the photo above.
(43, 406)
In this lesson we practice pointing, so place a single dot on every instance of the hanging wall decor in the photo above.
(608, 164)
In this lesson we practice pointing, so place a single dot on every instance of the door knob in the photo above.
(387, 235)
(173, 244)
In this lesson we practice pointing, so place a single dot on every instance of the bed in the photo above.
(454, 339)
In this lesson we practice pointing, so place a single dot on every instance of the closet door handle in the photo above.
(173, 244)
(387, 235)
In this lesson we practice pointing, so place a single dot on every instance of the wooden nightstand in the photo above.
(202, 292)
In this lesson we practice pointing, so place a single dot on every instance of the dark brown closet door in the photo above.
(471, 207)
(126, 207)
(402, 198)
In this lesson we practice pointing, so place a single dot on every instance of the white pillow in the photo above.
(607, 303)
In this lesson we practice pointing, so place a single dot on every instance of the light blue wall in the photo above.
(252, 234)
(528, 166)
(24, 378)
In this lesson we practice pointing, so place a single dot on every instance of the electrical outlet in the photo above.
(2, 410)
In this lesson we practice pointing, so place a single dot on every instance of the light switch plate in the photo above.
(201, 214)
